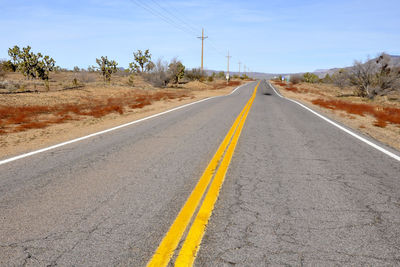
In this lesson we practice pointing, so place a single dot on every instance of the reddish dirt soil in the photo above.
(21, 118)
(383, 115)
(379, 118)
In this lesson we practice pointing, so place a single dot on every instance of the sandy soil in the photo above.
(12, 144)
(389, 135)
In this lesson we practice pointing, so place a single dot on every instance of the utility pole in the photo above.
(239, 67)
(244, 69)
(228, 56)
(202, 47)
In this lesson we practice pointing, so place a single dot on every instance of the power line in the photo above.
(184, 22)
(181, 23)
(161, 16)
(215, 48)
(173, 20)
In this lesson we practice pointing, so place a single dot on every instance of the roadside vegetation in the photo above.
(374, 77)
(20, 118)
(102, 88)
(40, 73)
(365, 96)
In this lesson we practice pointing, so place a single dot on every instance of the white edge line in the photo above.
(109, 130)
(390, 154)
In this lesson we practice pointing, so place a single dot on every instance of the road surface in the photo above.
(298, 191)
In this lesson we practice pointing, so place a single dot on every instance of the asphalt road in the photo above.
(298, 192)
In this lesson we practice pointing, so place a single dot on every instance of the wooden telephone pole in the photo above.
(202, 47)
(228, 56)
(240, 63)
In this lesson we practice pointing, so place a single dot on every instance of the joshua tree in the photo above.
(106, 67)
(142, 61)
(30, 64)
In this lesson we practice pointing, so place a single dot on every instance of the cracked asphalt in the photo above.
(298, 192)
(109, 200)
(301, 192)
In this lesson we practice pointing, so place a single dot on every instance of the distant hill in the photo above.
(395, 61)
(255, 75)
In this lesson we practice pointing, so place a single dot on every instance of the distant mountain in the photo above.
(394, 62)
(255, 75)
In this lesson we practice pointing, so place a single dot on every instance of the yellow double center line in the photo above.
(192, 242)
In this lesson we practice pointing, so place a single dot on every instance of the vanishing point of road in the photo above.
(248, 179)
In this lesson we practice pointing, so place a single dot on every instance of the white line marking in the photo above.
(390, 154)
(109, 130)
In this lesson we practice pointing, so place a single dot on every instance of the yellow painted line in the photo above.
(192, 242)
(170, 241)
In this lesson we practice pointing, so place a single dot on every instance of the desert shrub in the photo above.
(2, 71)
(363, 75)
(310, 78)
(47, 85)
(244, 77)
(341, 78)
(295, 79)
(91, 68)
(176, 70)
(210, 78)
(75, 82)
(131, 80)
(121, 72)
(9, 85)
(326, 79)
(85, 77)
(387, 77)
(7, 66)
(57, 69)
(159, 75)
(221, 75)
(150, 66)
(375, 77)
(194, 74)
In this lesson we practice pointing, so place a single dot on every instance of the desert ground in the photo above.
(33, 116)
(378, 117)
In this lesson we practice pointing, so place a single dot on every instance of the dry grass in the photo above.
(58, 81)
(29, 121)
(279, 83)
(214, 85)
(22, 118)
(220, 85)
(383, 115)
(378, 118)
(290, 87)
(21, 111)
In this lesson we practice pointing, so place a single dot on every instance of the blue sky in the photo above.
(268, 36)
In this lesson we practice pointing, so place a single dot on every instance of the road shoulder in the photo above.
(22, 142)
(362, 124)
